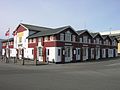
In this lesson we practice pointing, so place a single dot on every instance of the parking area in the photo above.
(99, 75)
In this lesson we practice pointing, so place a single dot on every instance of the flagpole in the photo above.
(8, 52)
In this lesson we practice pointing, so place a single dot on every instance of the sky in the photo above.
(94, 15)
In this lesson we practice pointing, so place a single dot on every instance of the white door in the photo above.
(97, 53)
(68, 54)
(40, 58)
(77, 53)
(85, 53)
(103, 53)
(92, 53)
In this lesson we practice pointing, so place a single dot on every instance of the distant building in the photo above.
(1, 46)
(114, 33)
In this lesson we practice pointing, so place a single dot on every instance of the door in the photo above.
(85, 53)
(40, 58)
(68, 54)
(20, 53)
(47, 55)
(97, 53)
(92, 53)
(77, 53)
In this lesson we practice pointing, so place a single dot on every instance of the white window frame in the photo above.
(97, 40)
(80, 40)
(73, 38)
(46, 38)
(51, 38)
(68, 36)
(39, 39)
(61, 36)
(85, 39)
(89, 40)
(34, 40)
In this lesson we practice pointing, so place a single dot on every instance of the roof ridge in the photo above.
(24, 24)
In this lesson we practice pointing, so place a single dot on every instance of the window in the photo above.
(73, 38)
(40, 51)
(62, 37)
(20, 39)
(67, 36)
(80, 40)
(89, 40)
(46, 38)
(97, 40)
(34, 40)
(58, 52)
(107, 42)
(104, 42)
(78, 52)
(100, 42)
(32, 51)
(94, 41)
(85, 38)
(39, 39)
(47, 51)
(30, 40)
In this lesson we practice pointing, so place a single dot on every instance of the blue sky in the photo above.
(94, 15)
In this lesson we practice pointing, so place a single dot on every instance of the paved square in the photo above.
(102, 75)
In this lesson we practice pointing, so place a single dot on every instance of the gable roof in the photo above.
(105, 36)
(95, 34)
(113, 38)
(83, 31)
(6, 40)
(49, 32)
(35, 28)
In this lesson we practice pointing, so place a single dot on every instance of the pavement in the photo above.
(99, 75)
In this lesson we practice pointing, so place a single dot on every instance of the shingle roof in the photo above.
(113, 38)
(48, 32)
(35, 28)
(104, 36)
(94, 34)
(6, 40)
(81, 31)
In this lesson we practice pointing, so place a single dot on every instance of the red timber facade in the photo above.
(7, 47)
(62, 44)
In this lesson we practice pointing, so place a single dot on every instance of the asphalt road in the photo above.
(103, 75)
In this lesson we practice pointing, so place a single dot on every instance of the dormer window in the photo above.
(62, 37)
(100, 42)
(80, 40)
(51, 38)
(29, 41)
(107, 42)
(73, 38)
(85, 38)
(39, 39)
(34, 40)
(68, 36)
(89, 40)
(94, 41)
(97, 40)
(46, 38)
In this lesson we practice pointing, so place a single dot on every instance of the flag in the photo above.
(7, 33)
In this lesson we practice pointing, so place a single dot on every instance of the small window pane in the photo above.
(58, 52)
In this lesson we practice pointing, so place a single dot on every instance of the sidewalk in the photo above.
(20, 61)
